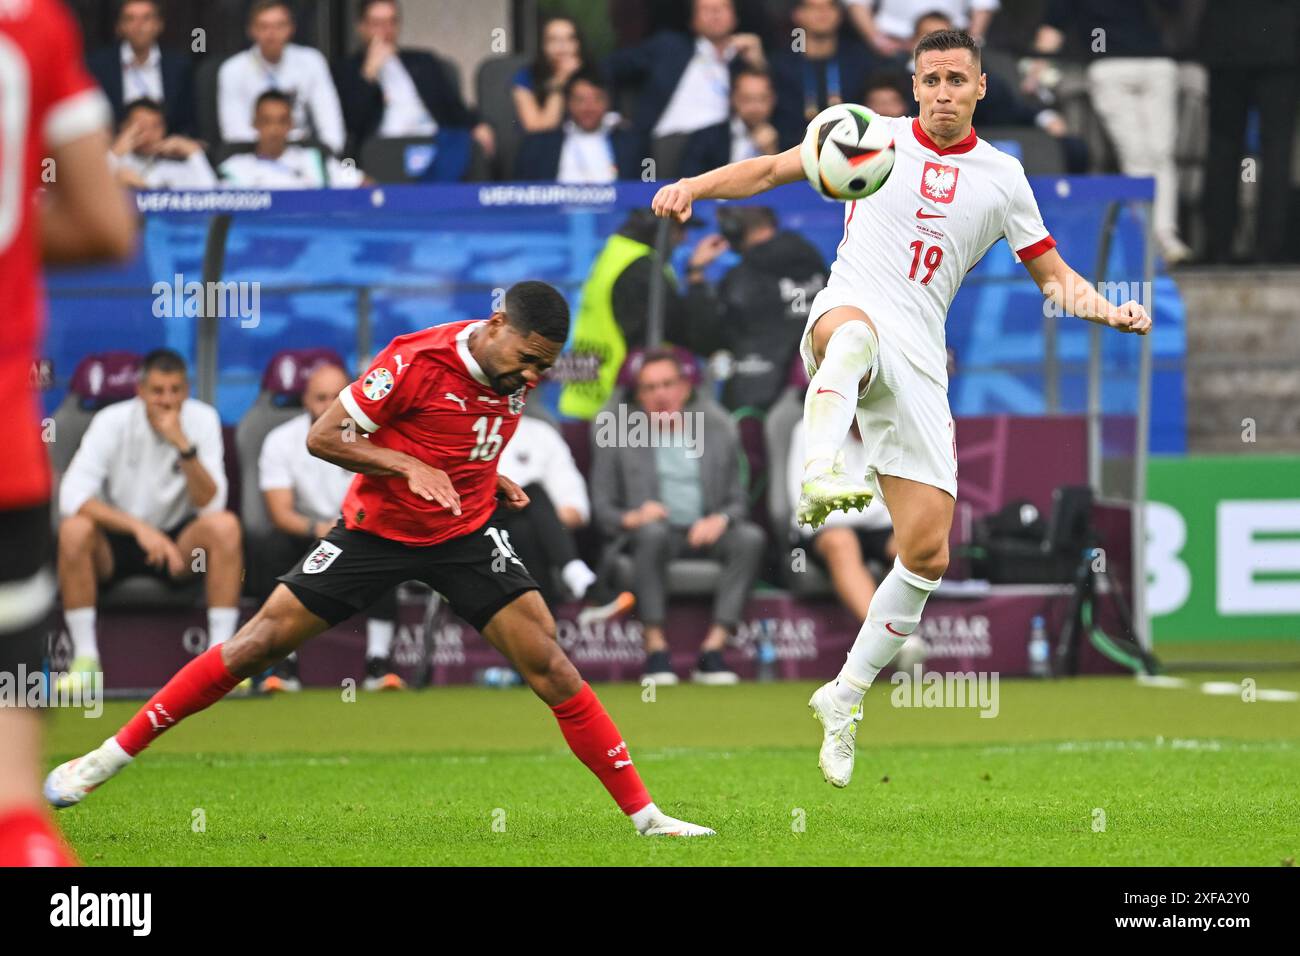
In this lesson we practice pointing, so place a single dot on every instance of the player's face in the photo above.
(164, 391)
(947, 84)
(512, 360)
(139, 25)
(271, 31)
(661, 388)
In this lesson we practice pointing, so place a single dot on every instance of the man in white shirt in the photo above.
(145, 157)
(273, 63)
(748, 133)
(538, 460)
(275, 163)
(146, 494)
(304, 496)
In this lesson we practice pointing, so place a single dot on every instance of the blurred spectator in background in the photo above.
(1252, 50)
(819, 70)
(613, 315)
(1004, 105)
(675, 500)
(538, 460)
(685, 81)
(275, 163)
(393, 92)
(748, 133)
(146, 494)
(145, 157)
(539, 91)
(848, 539)
(138, 69)
(1133, 85)
(761, 304)
(304, 497)
(273, 63)
(888, 26)
(593, 146)
(889, 93)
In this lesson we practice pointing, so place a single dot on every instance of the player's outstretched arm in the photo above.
(1076, 295)
(334, 438)
(749, 177)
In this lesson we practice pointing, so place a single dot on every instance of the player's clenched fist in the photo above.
(673, 202)
(516, 498)
(1131, 317)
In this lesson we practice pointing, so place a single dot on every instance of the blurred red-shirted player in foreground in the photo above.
(53, 133)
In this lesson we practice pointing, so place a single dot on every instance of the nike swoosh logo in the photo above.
(890, 628)
(831, 390)
(922, 214)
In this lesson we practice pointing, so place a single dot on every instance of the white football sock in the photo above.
(379, 638)
(111, 752)
(832, 396)
(222, 622)
(578, 577)
(81, 629)
(894, 614)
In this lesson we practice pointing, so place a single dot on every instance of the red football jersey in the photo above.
(47, 98)
(425, 395)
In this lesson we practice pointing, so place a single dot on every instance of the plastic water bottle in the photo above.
(767, 651)
(1040, 652)
(498, 677)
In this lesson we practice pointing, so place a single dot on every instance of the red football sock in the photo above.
(28, 838)
(595, 741)
(199, 684)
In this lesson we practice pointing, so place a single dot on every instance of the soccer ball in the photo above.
(847, 152)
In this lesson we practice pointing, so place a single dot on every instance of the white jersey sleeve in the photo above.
(1024, 228)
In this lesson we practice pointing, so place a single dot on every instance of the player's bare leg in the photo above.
(845, 346)
(84, 560)
(524, 632)
(274, 632)
(922, 516)
(27, 836)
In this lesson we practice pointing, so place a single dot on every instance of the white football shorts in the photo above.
(903, 414)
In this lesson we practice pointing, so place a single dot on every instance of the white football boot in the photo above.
(661, 824)
(830, 489)
(840, 728)
(70, 783)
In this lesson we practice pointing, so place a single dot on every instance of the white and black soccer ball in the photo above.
(847, 152)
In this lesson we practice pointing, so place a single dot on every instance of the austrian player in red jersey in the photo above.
(438, 406)
(53, 118)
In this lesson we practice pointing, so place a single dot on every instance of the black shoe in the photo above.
(659, 668)
(712, 670)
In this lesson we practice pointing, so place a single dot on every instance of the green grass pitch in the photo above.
(1092, 771)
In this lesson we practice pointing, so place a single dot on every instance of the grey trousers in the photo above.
(739, 550)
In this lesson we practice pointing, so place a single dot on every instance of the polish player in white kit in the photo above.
(874, 341)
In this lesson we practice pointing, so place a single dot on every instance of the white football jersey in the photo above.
(907, 247)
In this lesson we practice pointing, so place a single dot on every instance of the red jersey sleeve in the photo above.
(71, 104)
(389, 388)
